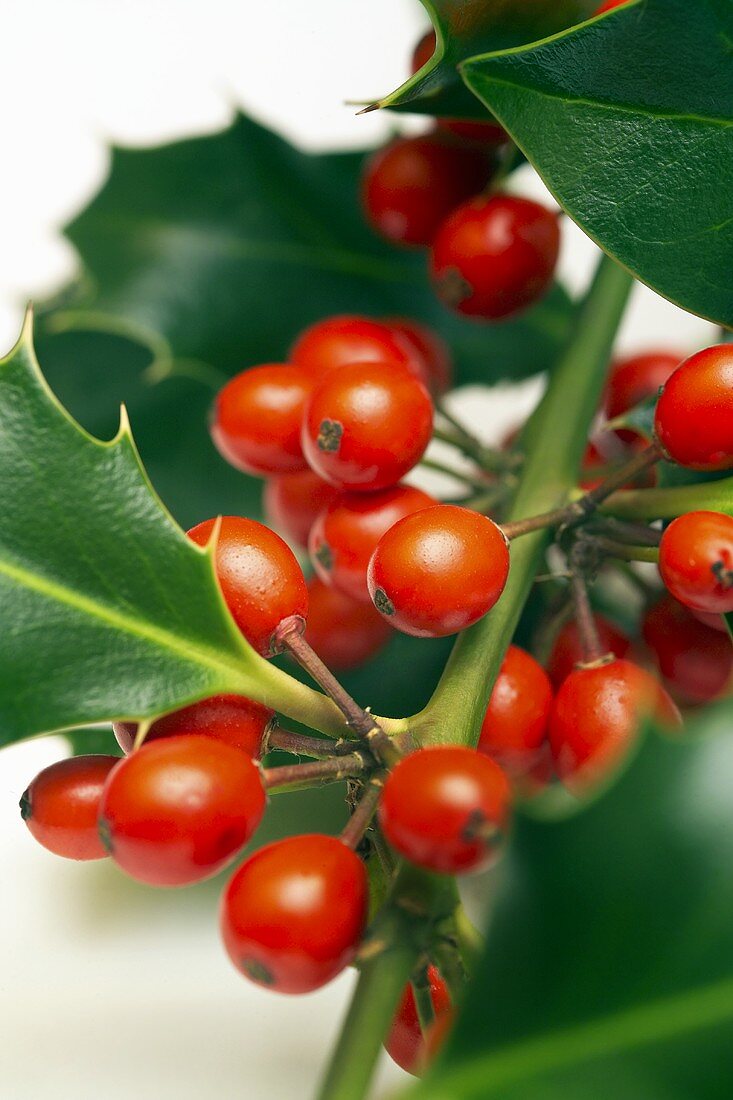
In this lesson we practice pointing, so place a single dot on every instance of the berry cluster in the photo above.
(492, 254)
(336, 429)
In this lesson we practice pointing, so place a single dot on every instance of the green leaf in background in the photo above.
(214, 252)
(629, 121)
(108, 610)
(609, 963)
(466, 29)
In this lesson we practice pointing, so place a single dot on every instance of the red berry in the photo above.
(366, 425)
(259, 576)
(258, 416)
(610, 5)
(596, 717)
(405, 1043)
(423, 51)
(444, 808)
(695, 660)
(293, 914)
(715, 622)
(61, 806)
(567, 651)
(411, 185)
(439, 570)
(633, 380)
(293, 501)
(696, 561)
(592, 468)
(179, 809)
(344, 632)
(346, 534)
(694, 418)
(232, 718)
(433, 350)
(342, 340)
(494, 256)
(515, 723)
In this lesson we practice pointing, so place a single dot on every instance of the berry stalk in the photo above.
(290, 637)
(294, 777)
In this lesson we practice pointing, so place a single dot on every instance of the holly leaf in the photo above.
(609, 963)
(109, 611)
(214, 252)
(465, 30)
(629, 121)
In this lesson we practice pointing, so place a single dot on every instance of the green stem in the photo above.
(423, 999)
(640, 504)
(375, 998)
(553, 458)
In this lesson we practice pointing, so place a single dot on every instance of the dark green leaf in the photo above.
(215, 252)
(609, 964)
(108, 609)
(629, 121)
(464, 30)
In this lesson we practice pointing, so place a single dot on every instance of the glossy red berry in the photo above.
(696, 561)
(179, 809)
(339, 341)
(411, 185)
(293, 501)
(515, 724)
(494, 256)
(695, 660)
(633, 380)
(694, 418)
(61, 806)
(445, 808)
(438, 571)
(344, 632)
(232, 718)
(434, 351)
(405, 1043)
(366, 425)
(567, 650)
(346, 534)
(596, 717)
(293, 914)
(258, 416)
(259, 576)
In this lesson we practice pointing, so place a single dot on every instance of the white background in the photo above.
(109, 989)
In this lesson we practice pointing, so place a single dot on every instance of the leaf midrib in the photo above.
(303, 255)
(196, 653)
(474, 70)
(664, 1019)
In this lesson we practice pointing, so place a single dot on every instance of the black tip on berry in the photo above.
(383, 603)
(324, 556)
(105, 834)
(255, 970)
(329, 435)
(26, 810)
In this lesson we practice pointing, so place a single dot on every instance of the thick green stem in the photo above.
(635, 504)
(372, 1007)
(554, 453)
